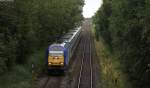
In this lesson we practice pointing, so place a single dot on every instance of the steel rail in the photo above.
(81, 68)
(82, 64)
(45, 84)
(91, 61)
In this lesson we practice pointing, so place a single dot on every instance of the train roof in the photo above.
(70, 35)
(57, 45)
(73, 30)
(76, 31)
(67, 37)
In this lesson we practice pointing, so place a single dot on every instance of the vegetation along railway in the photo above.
(74, 60)
(115, 55)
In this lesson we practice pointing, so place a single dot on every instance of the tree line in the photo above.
(27, 25)
(124, 26)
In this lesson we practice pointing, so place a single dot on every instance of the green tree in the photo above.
(127, 25)
(28, 25)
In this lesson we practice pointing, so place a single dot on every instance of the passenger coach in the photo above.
(58, 55)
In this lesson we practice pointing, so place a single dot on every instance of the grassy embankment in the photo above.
(112, 75)
(21, 75)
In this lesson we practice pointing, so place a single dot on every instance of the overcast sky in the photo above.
(91, 6)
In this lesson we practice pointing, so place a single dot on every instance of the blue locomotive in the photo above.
(58, 55)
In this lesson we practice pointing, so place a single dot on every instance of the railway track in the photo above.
(82, 71)
(50, 82)
(56, 82)
(85, 79)
(44, 86)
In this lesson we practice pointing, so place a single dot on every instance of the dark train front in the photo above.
(58, 55)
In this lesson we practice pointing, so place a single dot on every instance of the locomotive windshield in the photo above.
(56, 50)
(56, 53)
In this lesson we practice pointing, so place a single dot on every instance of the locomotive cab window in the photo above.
(56, 53)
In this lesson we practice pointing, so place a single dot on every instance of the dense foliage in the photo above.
(26, 25)
(124, 25)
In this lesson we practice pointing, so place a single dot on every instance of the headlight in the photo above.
(49, 63)
(61, 63)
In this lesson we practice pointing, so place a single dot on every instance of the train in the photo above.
(58, 55)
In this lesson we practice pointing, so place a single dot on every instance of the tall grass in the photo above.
(112, 75)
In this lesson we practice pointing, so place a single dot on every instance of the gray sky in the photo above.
(91, 6)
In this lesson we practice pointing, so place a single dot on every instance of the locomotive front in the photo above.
(56, 57)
